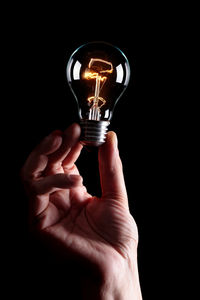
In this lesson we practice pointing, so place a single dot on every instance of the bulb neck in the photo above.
(93, 133)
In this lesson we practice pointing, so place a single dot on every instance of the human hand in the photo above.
(98, 230)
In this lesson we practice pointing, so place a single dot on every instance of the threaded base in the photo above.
(93, 133)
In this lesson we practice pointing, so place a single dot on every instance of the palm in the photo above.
(80, 222)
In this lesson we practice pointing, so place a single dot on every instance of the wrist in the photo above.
(120, 282)
(123, 285)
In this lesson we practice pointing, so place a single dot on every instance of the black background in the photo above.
(145, 120)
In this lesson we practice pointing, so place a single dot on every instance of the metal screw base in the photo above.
(93, 133)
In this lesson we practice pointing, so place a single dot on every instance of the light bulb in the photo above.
(98, 74)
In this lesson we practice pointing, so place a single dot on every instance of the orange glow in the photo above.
(103, 101)
(96, 67)
(104, 62)
(92, 75)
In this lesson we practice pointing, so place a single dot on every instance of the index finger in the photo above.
(38, 159)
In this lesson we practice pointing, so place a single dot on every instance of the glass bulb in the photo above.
(98, 73)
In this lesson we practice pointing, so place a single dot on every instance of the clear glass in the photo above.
(98, 74)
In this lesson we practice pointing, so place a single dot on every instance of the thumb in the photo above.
(111, 172)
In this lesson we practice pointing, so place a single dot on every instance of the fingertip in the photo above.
(111, 144)
(53, 141)
(57, 141)
(112, 138)
(75, 179)
(73, 130)
(66, 180)
(49, 144)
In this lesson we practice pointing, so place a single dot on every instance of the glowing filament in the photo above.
(92, 75)
(104, 62)
(96, 67)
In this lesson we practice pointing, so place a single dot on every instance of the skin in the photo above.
(99, 231)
